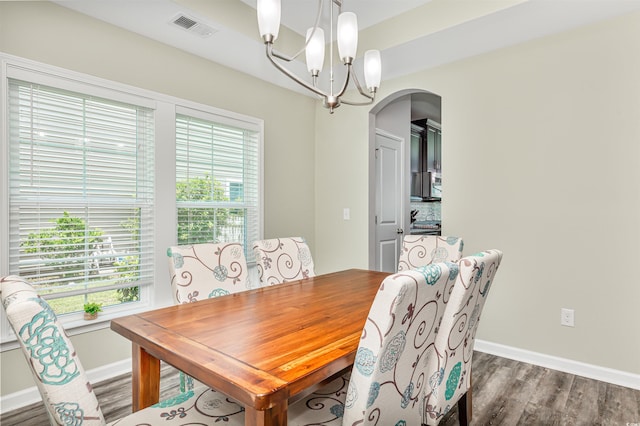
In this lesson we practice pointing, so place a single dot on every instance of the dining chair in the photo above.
(414, 360)
(205, 270)
(420, 250)
(62, 382)
(396, 342)
(456, 338)
(389, 380)
(281, 260)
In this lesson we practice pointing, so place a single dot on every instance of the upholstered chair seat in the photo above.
(281, 260)
(421, 250)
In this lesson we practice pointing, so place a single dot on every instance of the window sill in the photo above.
(75, 324)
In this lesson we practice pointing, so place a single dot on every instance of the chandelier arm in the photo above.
(362, 92)
(315, 27)
(370, 98)
(290, 74)
(315, 84)
(346, 81)
(369, 102)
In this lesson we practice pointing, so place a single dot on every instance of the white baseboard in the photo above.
(590, 371)
(31, 395)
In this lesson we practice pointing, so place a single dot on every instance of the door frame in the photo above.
(406, 205)
(403, 183)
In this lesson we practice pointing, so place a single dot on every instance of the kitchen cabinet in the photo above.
(416, 151)
(434, 149)
(426, 155)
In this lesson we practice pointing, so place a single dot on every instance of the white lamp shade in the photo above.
(347, 35)
(315, 50)
(269, 17)
(372, 69)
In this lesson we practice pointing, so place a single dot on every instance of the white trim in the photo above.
(604, 374)
(403, 195)
(25, 397)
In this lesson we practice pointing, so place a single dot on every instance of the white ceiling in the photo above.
(299, 14)
(521, 21)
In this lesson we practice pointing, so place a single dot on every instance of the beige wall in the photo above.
(541, 155)
(47, 33)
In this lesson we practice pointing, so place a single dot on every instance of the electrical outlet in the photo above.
(346, 213)
(566, 317)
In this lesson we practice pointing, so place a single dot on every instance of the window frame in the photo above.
(77, 125)
(165, 108)
(248, 205)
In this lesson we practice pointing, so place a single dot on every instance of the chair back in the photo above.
(281, 260)
(61, 380)
(456, 338)
(202, 271)
(389, 381)
(421, 250)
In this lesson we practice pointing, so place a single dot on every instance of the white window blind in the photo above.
(217, 180)
(81, 195)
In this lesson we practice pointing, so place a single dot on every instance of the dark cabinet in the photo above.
(434, 147)
(426, 149)
(416, 151)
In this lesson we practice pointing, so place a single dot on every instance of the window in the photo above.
(81, 195)
(87, 178)
(217, 186)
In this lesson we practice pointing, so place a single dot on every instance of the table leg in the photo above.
(275, 416)
(145, 378)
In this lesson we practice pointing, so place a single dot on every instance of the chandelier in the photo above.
(314, 48)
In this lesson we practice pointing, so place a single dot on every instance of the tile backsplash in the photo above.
(427, 211)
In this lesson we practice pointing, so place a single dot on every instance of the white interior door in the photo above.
(389, 199)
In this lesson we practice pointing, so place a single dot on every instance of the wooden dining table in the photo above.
(265, 347)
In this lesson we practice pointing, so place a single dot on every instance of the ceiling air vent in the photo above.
(193, 26)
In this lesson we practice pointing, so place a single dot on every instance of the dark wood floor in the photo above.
(505, 392)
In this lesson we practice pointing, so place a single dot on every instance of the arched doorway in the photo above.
(393, 116)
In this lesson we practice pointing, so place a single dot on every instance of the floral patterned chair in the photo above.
(413, 363)
(397, 341)
(420, 250)
(202, 271)
(389, 380)
(283, 259)
(456, 338)
(66, 392)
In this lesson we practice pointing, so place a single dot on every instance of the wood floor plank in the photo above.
(553, 389)
(536, 414)
(584, 398)
(620, 407)
(495, 406)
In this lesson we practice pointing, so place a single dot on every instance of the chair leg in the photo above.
(186, 383)
(465, 409)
